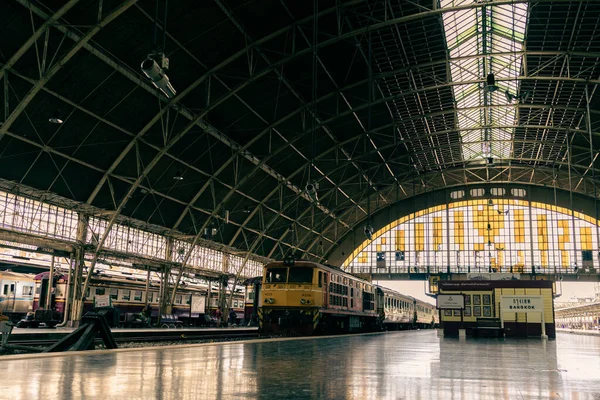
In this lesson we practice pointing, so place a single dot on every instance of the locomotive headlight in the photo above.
(302, 301)
(270, 300)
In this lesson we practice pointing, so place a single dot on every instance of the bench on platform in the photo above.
(170, 321)
(488, 327)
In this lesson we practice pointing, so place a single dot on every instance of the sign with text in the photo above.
(521, 303)
(102, 300)
(450, 302)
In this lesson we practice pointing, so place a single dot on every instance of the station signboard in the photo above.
(521, 303)
(450, 302)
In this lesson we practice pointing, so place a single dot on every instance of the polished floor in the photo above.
(402, 365)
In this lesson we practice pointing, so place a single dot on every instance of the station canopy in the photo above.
(275, 126)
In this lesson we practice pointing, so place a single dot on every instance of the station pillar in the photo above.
(77, 296)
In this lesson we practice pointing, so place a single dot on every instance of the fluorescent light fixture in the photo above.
(55, 119)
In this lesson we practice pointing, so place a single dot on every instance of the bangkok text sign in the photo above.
(521, 303)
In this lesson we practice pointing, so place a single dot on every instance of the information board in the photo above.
(450, 302)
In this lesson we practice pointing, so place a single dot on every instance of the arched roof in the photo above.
(373, 101)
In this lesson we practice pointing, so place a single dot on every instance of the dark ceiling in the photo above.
(261, 111)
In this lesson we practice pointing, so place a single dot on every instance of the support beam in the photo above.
(60, 63)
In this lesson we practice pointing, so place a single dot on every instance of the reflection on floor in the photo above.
(402, 365)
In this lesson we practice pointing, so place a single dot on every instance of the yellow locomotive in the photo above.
(306, 297)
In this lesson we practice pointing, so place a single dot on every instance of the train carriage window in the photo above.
(87, 292)
(276, 275)
(5, 291)
(150, 295)
(27, 290)
(12, 288)
(235, 304)
(320, 281)
(300, 275)
(100, 291)
(114, 294)
(126, 294)
(137, 295)
(188, 299)
(178, 299)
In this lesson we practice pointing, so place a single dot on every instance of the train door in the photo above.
(43, 293)
(9, 291)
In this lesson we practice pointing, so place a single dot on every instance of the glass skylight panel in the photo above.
(485, 118)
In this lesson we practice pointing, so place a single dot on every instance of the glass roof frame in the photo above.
(493, 31)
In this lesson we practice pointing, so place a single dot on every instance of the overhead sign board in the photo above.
(450, 302)
(521, 303)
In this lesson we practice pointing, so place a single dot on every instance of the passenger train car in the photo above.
(307, 297)
(16, 294)
(26, 292)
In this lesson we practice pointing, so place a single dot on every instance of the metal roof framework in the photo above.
(251, 126)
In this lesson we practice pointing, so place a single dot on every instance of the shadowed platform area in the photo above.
(402, 365)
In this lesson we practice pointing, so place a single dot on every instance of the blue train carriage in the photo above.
(306, 297)
(16, 294)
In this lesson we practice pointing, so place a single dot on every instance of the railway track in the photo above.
(172, 336)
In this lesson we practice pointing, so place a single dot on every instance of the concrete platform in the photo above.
(402, 365)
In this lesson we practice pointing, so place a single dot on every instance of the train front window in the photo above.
(276, 275)
(300, 275)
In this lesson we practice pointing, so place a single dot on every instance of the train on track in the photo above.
(308, 298)
(296, 296)
(21, 294)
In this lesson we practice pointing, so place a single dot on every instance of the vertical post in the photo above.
(588, 119)
(165, 306)
(223, 291)
(530, 234)
(448, 233)
(208, 297)
(79, 263)
(569, 160)
(544, 336)
(147, 287)
(68, 295)
(50, 283)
